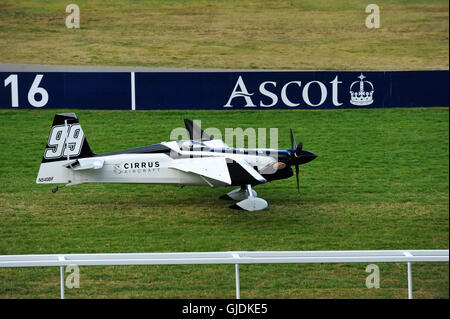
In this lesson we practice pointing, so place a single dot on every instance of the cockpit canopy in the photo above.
(196, 145)
(191, 145)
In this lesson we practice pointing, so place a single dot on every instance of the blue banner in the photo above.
(73, 90)
(224, 90)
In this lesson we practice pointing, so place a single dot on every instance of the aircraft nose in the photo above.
(306, 157)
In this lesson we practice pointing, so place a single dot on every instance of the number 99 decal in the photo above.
(64, 140)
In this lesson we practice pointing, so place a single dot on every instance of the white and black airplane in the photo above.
(200, 161)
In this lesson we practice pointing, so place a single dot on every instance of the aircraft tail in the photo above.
(195, 132)
(66, 142)
(66, 139)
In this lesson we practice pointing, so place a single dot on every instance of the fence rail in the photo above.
(233, 257)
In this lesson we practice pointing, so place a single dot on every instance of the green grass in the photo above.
(381, 181)
(250, 34)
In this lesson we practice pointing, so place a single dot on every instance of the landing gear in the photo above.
(57, 188)
(238, 194)
(247, 199)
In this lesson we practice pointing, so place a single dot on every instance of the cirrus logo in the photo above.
(139, 167)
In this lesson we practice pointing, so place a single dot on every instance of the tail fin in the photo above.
(66, 140)
(195, 132)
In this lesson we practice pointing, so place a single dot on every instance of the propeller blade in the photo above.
(298, 150)
(293, 144)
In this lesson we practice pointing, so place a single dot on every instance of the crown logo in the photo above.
(361, 97)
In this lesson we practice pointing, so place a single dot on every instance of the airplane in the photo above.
(200, 161)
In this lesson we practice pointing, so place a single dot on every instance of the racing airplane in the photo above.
(200, 161)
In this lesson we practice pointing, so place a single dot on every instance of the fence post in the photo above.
(410, 284)
(238, 284)
(61, 276)
(238, 288)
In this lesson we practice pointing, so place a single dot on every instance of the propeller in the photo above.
(293, 144)
(298, 156)
(298, 150)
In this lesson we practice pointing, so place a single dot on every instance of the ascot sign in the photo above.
(266, 89)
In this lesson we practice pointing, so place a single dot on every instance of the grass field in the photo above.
(302, 34)
(381, 181)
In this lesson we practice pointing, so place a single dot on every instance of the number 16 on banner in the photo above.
(37, 96)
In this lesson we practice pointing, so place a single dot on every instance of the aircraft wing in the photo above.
(248, 169)
(85, 163)
(217, 171)
(213, 170)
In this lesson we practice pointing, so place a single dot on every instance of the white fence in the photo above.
(236, 258)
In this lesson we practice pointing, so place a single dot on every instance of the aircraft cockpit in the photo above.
(191, 145)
